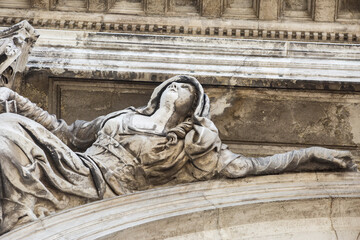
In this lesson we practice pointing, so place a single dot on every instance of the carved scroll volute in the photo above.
(15, 45)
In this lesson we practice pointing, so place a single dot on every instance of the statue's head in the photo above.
(185, 93)
(179, 96)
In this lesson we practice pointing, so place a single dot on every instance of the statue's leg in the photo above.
(16, 202)
(25, 169)
(39, 173)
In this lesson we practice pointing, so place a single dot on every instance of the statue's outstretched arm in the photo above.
(78, 135)
(314, 158)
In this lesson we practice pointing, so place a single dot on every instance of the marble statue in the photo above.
(47, 165)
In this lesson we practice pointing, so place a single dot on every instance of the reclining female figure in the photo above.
(47, 165)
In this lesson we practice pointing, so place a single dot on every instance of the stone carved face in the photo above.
(178, 96)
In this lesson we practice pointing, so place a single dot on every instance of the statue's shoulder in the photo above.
(116, 114)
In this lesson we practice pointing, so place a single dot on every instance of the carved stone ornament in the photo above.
(48, 165)
(15, 45)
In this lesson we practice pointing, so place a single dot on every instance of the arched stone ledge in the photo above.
(288, 206)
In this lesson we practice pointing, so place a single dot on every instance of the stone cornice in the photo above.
(197, 26)
(233, 62)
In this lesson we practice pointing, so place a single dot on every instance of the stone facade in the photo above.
(280, 74)
(299, 76)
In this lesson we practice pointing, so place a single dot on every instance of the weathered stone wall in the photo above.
(253, 121)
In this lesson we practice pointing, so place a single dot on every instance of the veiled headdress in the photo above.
(204, 135)
(202, 107)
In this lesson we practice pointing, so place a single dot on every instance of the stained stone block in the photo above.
(352, 5)
(100, 5)
(241, 3)
(297, 117)
(101, 97)
(325, 10)
(247, 9)
(184, 3)
(211, 8)
(297, 9)
(125, 6)
(348, 9)
(69, 5)
(296, 5)
(269, 10)
(183, 6)
(40, 4)
(96, 5)
(155, 6)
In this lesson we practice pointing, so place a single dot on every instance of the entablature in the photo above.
(304, 20)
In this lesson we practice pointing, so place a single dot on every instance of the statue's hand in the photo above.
(343, 159)
(2, 106)
(5, 94)
(172, 139)
(7, 105)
